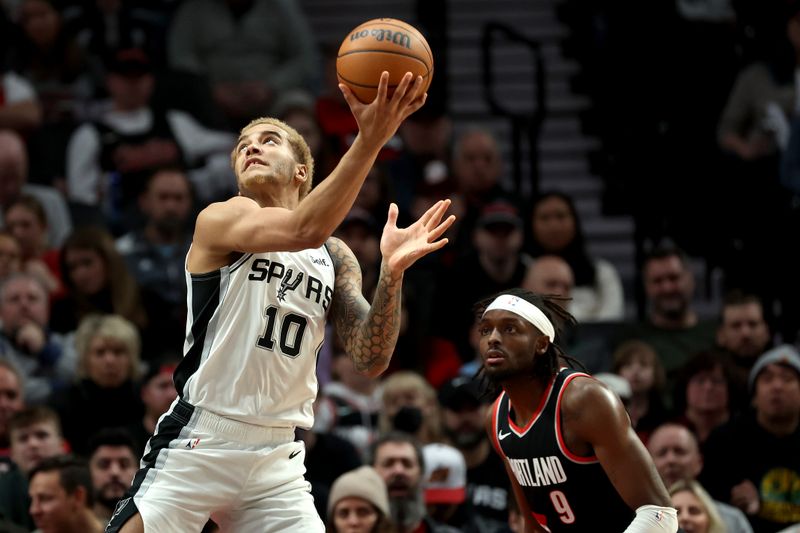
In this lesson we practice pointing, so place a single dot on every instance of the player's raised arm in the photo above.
(326, 206)
(370, 331)
(267, 151)
(594, 415)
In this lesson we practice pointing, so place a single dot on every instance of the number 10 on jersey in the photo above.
(290, 332)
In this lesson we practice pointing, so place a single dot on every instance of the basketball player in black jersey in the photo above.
(574, 462)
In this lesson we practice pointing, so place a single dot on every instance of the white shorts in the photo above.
(199, 465)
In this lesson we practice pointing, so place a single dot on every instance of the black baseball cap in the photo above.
(359, 216)
(460, 392)
(499, 212)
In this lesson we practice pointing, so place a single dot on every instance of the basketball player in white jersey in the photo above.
(263, 274)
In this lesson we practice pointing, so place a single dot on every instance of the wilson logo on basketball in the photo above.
(397, 37)
(382, 45)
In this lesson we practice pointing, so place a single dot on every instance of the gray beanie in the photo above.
(363, 482)
(784, 354)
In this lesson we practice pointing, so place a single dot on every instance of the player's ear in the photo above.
(541, 344)
(301, 172)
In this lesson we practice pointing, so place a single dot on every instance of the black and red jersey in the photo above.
(565, 492)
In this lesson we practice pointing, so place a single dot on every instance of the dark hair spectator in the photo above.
(113, 462)
(555, 229)
(638, 363)
(702, 393)
(35, 434)
(672, 324)
(26, 220)
(63, 502)
(10, 255)
(96, 281)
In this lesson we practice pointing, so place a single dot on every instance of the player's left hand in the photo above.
(401, 247)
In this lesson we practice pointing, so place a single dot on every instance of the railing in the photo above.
(522, 123)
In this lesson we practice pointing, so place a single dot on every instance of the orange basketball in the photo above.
(382, 44)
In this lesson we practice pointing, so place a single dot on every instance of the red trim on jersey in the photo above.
(495, 411)
(541, 520)
(561, 444)
(542, 402)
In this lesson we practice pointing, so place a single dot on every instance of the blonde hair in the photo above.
(300, 150)
(405, 380)
(112, 327)
(715, 523)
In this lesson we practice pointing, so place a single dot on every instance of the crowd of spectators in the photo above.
(116, 123)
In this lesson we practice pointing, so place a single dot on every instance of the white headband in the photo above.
(526, 310)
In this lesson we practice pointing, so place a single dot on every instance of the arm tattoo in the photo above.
(369, 332)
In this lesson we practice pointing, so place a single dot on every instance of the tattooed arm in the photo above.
(370, 331)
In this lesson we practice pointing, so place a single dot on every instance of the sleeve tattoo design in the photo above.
(369, 332)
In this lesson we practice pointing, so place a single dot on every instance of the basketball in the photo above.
(382, 44)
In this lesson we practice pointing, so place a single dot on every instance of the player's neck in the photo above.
(273, 197)
(525, 395)
(277, 200)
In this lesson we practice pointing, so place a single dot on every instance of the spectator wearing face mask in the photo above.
(410, 406)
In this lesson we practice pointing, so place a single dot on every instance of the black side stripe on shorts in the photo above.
(168, 429)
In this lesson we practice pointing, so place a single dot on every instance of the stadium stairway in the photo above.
(564, 149)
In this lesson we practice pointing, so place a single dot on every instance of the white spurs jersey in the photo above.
(253, 333)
